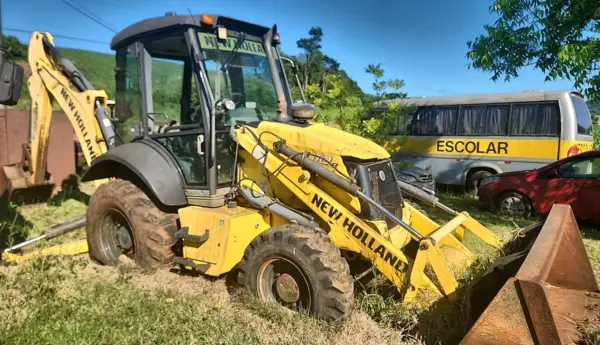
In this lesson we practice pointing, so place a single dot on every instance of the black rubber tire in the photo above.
(528, 209)
(153, 230)
(475, 178)
(328, 274)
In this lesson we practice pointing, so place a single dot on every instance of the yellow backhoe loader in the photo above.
(242, 182)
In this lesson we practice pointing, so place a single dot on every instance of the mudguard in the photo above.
(148, 161)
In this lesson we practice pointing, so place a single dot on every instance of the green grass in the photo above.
(73, 301)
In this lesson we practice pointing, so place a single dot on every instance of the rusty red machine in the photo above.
(544, 293)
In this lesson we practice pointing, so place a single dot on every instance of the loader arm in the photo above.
(348, 231)
(56, 78)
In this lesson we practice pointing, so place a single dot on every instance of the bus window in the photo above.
(534, 119)
(483, 120)
(435, 121)
(584, 119)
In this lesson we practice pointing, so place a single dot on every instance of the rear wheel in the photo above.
(298, 268)
(122, 220)
(474, 180)
(514, 204)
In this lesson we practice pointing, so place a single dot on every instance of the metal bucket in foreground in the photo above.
(553, 296)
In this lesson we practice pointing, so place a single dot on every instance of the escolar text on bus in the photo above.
(493, 147)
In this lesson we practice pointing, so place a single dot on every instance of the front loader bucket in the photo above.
(14, 186)
(551, 298)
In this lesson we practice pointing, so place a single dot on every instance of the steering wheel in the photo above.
(241, 98)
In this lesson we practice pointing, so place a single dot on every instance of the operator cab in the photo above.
(184, 81)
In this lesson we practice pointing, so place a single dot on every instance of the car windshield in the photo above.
(238, 69)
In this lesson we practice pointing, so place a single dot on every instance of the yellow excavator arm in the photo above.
(54, 77)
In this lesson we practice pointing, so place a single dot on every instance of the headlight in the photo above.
(489, 180)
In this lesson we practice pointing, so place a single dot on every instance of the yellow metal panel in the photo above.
(230, 232)
(332, 143)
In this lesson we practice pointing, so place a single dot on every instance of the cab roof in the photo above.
(172, 21)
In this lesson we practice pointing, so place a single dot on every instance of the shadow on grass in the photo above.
(13, 226)
(70, 189)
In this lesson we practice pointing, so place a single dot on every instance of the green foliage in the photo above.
(360, 115)
(596, 137)
(558, 37)
(14, 47)
(594, 110)
(314, 67)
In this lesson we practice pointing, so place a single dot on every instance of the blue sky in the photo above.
(422, 42)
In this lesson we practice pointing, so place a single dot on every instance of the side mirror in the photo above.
(11, 76)
(552, 173)
(302, 111)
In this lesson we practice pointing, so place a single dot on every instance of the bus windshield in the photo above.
(238, 69)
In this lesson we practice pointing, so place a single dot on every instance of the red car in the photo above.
(574, 180)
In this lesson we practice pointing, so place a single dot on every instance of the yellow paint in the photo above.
(70, 248)
(47, 82)
(508, 147)
(230, 231)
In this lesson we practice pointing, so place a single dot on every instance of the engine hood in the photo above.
(322, 139)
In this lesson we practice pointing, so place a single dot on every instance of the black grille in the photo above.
(378, 181)
(426, 178)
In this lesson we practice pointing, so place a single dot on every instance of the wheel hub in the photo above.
(513, 206)
(287, 288)
(124, 238)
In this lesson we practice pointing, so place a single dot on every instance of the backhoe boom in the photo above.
(55, 78)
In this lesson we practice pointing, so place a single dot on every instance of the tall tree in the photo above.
(377, 72)
(312, 52)
(560, 37)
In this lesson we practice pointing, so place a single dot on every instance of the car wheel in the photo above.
(514, 204)
(475, 179)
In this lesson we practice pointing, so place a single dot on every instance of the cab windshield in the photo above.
(238, 69)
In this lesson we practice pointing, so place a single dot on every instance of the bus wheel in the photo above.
(475, 179)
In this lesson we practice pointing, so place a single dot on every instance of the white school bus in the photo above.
(464, 139)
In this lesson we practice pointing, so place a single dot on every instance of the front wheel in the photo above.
(514, 204)
(122, 220)
(298, 268)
